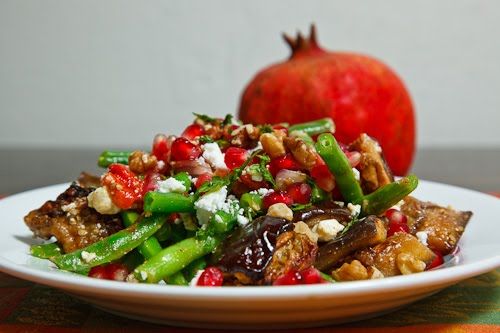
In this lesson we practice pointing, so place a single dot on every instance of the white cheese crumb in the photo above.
(69, 207)
(196, 277)
(210, 203)
(356, 173)
(242, 220)
(355, 209)
(88, 256)
(340, 203)
(422, 237)
(262, 191)
(213, 155)
(101, 201)
(327, 229)
(144, 275)
(171, 185)
(160, 164)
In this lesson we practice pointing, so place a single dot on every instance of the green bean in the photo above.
(167, 203)
(177, 279)
(183, 177)
(174, 258)
(110, 248)
(387, 196)
(252, 201)
(150, 246)
(327, 277)
(337, 162)
(318, 195)
(109, 157)
(193, 268)
(45, 251)
(164, 233)
(221, 222)
(314, 127)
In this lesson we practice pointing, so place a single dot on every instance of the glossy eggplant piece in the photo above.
(367, 232)
(247, 252)
(312, 216)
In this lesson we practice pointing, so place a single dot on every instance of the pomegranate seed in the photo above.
(299, 192)
(281, 127)
(290, 278)
(160, 147)
(99, 272)
(235, 157)
(311, 276)
(252, 184)
(284, 162)
(438, 261)
(151, 180)
(395, 216)
(276, 197)
(113, 271)
(211, 277)
(193, 131)
(183, 149)
(344, 147)
(202, 179)
(397, 227)
(323, 177)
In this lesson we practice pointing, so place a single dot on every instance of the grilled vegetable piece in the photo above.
(110, 248)
(373, 169)
(315, 214)
(71, 221)
(367, 232)
(293, 252)
(443, 226)
(246, 252)
(401, 253)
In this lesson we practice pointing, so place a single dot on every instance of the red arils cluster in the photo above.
(113, 271)
(235, 157)
(299, 192)
(183, 149)
(193, 131)
(276, 197)
(160, 148)
(123, 186)
(293, 277)
(397, 222)
(202, 179)
(284, 162)
(322, 176)
(211, 277)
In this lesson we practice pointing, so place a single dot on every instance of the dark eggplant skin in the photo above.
(313, 215)
(366, 232)
(250, 248)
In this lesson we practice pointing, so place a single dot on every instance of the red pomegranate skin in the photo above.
(360, 94)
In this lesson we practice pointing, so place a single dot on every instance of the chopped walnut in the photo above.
(272, 145)
(351, 272)
(139, 162)
(408, 264)
(302, 228)
(374, 273)
(280, 210)
(305, 155)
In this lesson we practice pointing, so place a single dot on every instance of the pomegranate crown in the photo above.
(303, 46)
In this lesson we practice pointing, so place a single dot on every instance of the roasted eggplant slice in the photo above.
(367, 232)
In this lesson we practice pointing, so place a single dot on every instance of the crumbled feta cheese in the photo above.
(280, 210)
(242, 220)
(160, 164)
(196, 277)
(144, 275)
(262, 191)
(339, 203)
(101, 201)
(356, 173)
(355, 209)
(422, 237)
(210, 203)
(171, 185)
(327, 229)
(88, 256)
(213, 155)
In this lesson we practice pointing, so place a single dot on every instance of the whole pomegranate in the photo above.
(360, 94)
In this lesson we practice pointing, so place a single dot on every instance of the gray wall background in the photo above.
(114, 73)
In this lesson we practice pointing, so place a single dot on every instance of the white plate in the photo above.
(258, 307)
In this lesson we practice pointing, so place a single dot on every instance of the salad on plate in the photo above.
(231, 204)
